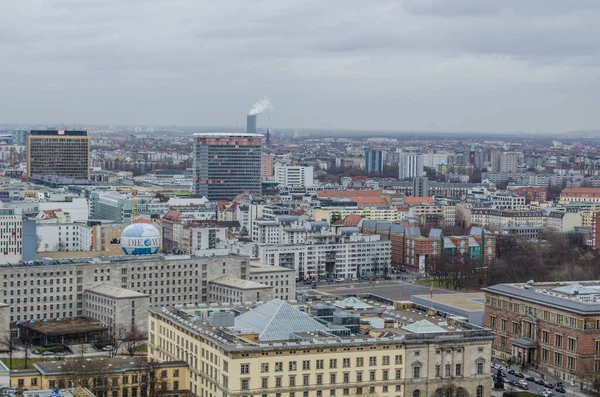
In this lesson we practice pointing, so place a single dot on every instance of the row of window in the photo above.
(320, 364)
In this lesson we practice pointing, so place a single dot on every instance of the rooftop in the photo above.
(576, 296)
(67, 326)
(116, 364)
(298, 325)
(114, 291)
(238, 283)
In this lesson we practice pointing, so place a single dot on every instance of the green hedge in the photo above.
(53, 349)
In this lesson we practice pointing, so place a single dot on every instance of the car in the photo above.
(530, 379)
(522, 382)
(502, 374)
(47, 353)
(522, 386)
(340, 280)
(519, 375)
(513, 383)
(549, 386)
(354, 279)
(560, 389)
(511, 371)
(35, 351)
(540, 382)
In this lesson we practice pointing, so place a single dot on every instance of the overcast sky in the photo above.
(468, 65)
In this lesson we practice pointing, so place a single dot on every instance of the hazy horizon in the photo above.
(403, 65)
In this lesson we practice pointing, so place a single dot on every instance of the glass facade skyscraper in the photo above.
(226, 164)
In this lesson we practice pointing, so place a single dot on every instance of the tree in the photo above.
(596, 384)
(153, 381)
(27, 344)
(8, 345)
(116, 338)
(134, 339)
(85, 373)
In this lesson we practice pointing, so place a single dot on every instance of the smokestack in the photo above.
(251, 124)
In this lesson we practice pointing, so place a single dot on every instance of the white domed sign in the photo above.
(140, 239)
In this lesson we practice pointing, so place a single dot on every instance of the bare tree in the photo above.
(153, 378)
(85, 374)
(116, 337)
(134, 339)
(8, 345)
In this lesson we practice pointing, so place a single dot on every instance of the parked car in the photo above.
(530, 378)
(523, 387)
(511, 371)
(35, 351)
(549, 385)
(47, 353)
(540, 382)
(519, 375)
(522, 382)
(561, 389)
(513, 383)
(340, 280)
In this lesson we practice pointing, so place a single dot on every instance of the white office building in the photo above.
(294, 176)
(340, 256)
(410, 165)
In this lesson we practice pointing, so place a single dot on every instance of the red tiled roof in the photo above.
(350, 193)
(370, 200)
(351, 220)
(417, 200)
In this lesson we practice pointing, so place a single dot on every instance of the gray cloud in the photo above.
(409, 64)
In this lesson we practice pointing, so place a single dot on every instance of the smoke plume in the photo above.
(260, 106)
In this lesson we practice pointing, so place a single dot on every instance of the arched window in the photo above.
(417, 393)
(479, 391)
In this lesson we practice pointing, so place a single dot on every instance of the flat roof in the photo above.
(115, 292)
(116, 364)
(238, 283)
(545, 294)
(77, 325)
(268, 269)
(470, 301)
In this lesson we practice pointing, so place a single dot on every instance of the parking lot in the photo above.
(515, 380)
(396, 290)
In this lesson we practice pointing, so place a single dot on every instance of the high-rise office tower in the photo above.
(373, 160)
(472, 154)
(421, 186)
(58, 153)
(251, 124)
(410, 165)
(226, 164)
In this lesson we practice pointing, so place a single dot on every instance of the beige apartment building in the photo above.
(349, 348)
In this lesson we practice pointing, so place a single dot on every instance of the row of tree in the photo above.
(553, 257)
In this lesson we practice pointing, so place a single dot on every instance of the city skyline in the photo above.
(425, 65)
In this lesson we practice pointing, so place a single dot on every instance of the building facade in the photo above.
(552, 325)
(373, 160)
(58, 153)
(290, 353)
(410, 165)
(226, 164)
(294, 176)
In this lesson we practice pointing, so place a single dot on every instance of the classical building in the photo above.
(312, 350)
(120, 376)
(553, 325)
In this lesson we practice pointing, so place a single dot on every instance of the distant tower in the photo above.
(251, 124)
(472, 154)
(268, 137)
